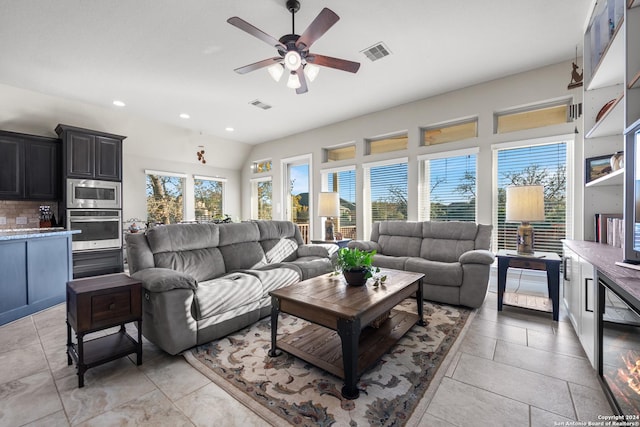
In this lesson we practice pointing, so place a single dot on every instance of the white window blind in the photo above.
(544, 164)
(448, 187)
(344, 182)
(387, 195)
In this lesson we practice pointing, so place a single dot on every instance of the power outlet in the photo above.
(21, 220)
(3, 220)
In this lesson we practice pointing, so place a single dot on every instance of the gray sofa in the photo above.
(453, 255)
(204, 281)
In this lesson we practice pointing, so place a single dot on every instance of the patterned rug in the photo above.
(286, 389)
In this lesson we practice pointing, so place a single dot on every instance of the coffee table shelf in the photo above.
(322, 347)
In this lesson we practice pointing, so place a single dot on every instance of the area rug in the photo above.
(286, 389)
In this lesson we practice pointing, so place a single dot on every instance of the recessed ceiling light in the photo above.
(229, 129)
(119, 103)
(185, 116)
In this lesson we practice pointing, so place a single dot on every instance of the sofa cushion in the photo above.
(226, 293)
(182, 237)
(276, 276)
(164, 279)
(394, 262)
(312, 266)
(399, 245)
(202, 264)
(278, 250)
(445, 241)
(274, 230)
(243, 256)
(436, 273)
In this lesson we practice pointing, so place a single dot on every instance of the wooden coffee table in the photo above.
(340, 340)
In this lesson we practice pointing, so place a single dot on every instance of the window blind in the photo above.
(388, 192)
(448, 188)
(528, 165)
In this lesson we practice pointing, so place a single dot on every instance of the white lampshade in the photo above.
(292, 60)
(276, 71)
(294, 81)
(311, 71)
(525, 203)
(328, 204)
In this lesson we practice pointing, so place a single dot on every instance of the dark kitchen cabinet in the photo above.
(91, 154)
(29, 167)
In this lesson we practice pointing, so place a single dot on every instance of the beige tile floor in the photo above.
(513, 368)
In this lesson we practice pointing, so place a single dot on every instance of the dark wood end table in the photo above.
(332, 306)
(542, 261)
(98, 303)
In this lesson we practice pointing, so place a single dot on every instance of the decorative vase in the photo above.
(617, 161)
(355, 277)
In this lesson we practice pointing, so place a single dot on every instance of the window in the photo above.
(390, 143)
(343, 181)
(457, 131)
(385, 192)
(448, 186)
(297, 189)
(261, 166)
(532, 117)
(542, 163)
(261, 198)
(344, 152)
(165, 197)
(209, 196)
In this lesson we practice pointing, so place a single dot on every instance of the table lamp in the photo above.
(525, 204)
(328, 206)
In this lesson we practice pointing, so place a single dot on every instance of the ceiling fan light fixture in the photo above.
(276, 71)
(294, 81)
(311, 71)
(292, 60)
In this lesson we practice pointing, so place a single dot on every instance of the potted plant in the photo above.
(356, 266)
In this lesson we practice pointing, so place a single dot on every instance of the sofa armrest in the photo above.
(324, 250)
(164, 279)
(477, 256)
(364, 245)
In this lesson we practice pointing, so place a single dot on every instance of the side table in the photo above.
(542, 261)
(342, 243)
(98, 303)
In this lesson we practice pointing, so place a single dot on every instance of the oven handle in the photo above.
(94, 220)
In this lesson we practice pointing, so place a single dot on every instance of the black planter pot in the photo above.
(355, 277)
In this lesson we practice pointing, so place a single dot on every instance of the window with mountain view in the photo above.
(544, 164)
(448, 187)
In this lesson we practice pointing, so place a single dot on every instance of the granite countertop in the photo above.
(604, 257)
(28, 233)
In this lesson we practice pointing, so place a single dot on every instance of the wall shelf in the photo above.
(608, 71)
(614, 178)
(611, 123)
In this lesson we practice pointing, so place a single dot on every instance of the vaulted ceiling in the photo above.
(166, 57)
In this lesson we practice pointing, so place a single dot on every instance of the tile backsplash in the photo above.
(22, 213)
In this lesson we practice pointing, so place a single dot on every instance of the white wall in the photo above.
(149, 144)
(532, 87)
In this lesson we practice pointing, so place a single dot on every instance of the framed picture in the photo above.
(597, 167)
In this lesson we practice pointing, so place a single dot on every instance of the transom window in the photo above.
(532, 117)
(453, 131)
(387, 144)
(344, 152)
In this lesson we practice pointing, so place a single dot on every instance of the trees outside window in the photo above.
(165, 198)
(208, 198)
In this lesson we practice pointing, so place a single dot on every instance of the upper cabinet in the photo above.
(91, 154)
(611, 96)
(29, 167)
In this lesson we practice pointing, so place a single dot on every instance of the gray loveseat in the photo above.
(453, 255)
(204, 281)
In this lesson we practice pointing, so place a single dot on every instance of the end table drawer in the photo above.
(110, 306)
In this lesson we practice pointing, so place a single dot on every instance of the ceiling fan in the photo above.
(293, 50)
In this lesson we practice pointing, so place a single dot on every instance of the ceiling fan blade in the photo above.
(258, 65)
(325, 20)
(256, 32)
(303, 81)
(337, 63)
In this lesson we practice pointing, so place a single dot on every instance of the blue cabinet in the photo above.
(35, 270)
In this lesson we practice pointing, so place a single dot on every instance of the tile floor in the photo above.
(514, 368)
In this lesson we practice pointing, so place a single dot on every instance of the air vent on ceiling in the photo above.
(260, 104)
(377, 51)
